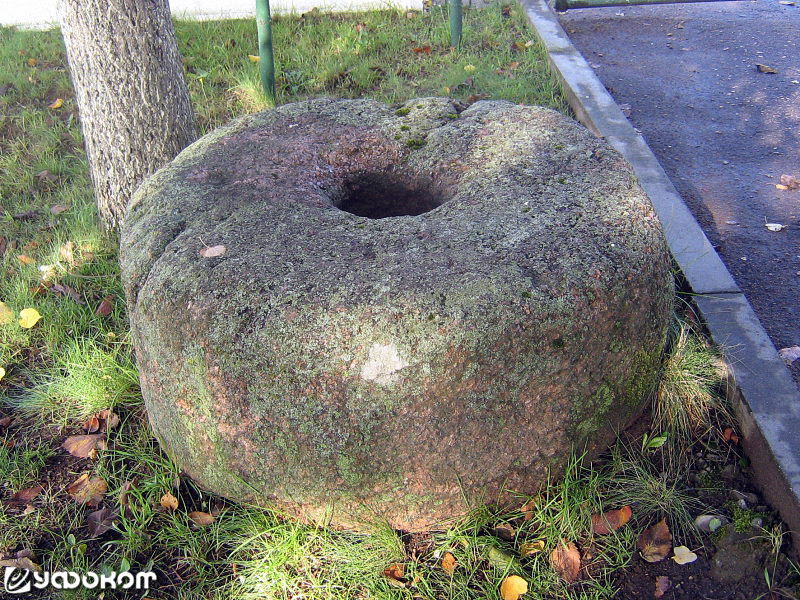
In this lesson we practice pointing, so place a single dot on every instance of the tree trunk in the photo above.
(130, 90)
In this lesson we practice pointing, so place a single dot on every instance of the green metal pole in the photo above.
(265, 51)
(455, 22)
(563, 5)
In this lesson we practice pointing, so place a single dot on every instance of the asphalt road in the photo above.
(724, 131)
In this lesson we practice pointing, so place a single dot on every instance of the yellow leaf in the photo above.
(57, 104)
(531, 547)
(683, 555)
(254, 58)
(6, 314)
(31, 62)
(169, 501)
(25, 259)
(513, 587)
(449, 563)
(470, 68)
(28, 317)
(2, 373)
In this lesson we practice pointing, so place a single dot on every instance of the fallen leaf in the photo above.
(730, 435)
(84, 446)
(201, 519)
(108, 419)
(105, 307)
(88, 491)
(655, 542)
(211, 252)
(169, 502)
(254, 58)
(470, 68)
(23, 562)
(499, 559)
(58, 103)
(527, 509)
(505, 532)
(774, 226)
(64, 289)
(475, 97)
(531, 547)
(449, 563)
(709, 523)
(566, 560)
(31, 62)
(662, 585)
(513, 587)
(25, 259)
(789, 355)
(2, 374)
(57, 209)
(28, 317)
(26, 216)
(101, 521)
(611, 520)
(422, 50)
(6, 314)
(24, 496)
(766, 69)
(683, 555)
(790, 182)
(394, 573)
(92, 425)
(124, 491)
(5, 422)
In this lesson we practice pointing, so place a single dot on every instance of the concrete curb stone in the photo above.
(764, 396)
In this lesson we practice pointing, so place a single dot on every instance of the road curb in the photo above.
(764, 395)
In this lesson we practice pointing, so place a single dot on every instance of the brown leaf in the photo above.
(655, 542)
(101, 521)
(3, 245)
(766, 69)
(105, 307)
(790, 182)
(789, 355)
(5, 422)
(92, 425)
(57, 209)
(123, 493)
(422, 50)
(201, 519)
(449, 563)
(64, 289)
(88, 491)
(662, 585)
(730, 435)
(475, 97)
(213, 251)
(25, 259)
(84, 446)
(394, 573)
(566, 560)
(513, 587)
(26, 216)
(20, 562)
(108, 419)
(611, 520)
(169, 502)
(24, 496)
(505, 532)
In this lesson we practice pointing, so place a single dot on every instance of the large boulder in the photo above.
(351, 310)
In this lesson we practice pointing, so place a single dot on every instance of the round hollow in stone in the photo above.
(408, 310)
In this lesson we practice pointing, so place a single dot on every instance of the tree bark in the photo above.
(130, 91)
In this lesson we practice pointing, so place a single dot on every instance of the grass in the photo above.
(77, 360)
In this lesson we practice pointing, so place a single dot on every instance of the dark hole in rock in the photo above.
(381, 195)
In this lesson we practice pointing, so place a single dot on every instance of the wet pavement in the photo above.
(723, 129)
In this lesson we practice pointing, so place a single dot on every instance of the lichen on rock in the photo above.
(394, 329)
